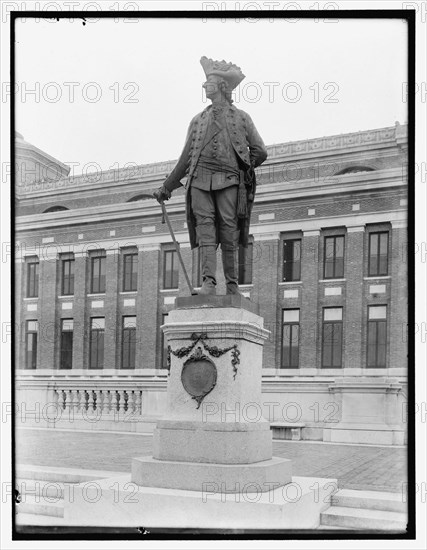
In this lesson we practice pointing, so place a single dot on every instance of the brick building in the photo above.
(96, 275)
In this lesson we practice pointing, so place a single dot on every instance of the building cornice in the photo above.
(274, 192)
(341, 145)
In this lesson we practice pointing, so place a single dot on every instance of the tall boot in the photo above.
(208, 268)
(230, 263)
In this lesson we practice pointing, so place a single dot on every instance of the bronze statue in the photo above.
(221, 150)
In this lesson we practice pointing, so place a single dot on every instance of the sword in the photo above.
(177, 248)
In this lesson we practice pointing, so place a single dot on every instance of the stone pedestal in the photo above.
(370, 412)
(213, 431)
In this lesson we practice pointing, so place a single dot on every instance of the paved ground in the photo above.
(355, 466)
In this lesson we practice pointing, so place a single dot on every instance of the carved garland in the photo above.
(215, 351)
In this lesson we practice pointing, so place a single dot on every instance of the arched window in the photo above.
(141, 197)
(355, 169)
(55, 209)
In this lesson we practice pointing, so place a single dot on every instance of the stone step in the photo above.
(23, 518)
(43, 506)
(359, 518)
(372, 500)
(61, 475)
(45, 489)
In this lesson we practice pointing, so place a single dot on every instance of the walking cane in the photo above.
(177, 248)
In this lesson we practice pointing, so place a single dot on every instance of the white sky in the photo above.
(366, 61)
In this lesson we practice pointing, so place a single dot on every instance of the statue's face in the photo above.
(212, 86)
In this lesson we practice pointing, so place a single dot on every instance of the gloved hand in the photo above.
(162, 194)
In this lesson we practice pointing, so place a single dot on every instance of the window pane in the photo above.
(164, 343)
(327, 345)
(339, 247)
(97, 323)
(67, 277)
(95, 275)
(296, 271)
(245, 264)
(129, 322)
(174, 270)
(31, 350)
(130, 272)
(373, 237)
(134, 280)
(66, 360)
(381, 343)
(383, 243)
(102, 274)
(329, 269)
(127, 272)
(67, 324)
(32, 279)
(71, 276)
(32, 325)
(295, 346)
(287, 335)
(337, 345)
(291, 315)
(332, 314)
(292, 260)
(339, 267)
(372, 338)
(377, 312)
(171, 269)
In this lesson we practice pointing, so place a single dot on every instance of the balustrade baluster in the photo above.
(67, 400)
(121, 401)
(75, 400)
(98, 401)
(132, 403)
(139, 402)
(90, 401)
(105, 401)
(114, 401)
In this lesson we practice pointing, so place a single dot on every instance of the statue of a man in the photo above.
(221, 150)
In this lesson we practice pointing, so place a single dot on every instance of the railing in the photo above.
(104, 401)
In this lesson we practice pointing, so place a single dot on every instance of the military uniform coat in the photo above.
(248, 147)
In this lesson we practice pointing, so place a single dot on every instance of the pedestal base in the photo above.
(212, 442)
(115, 502)
(258, 477)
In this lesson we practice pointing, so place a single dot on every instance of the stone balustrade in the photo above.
(102, 400)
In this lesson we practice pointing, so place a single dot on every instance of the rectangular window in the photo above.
(334, 257)
(66, 354)
(96, 351)
(290, 338)
(67, 277)
(245, 264)
(164, 343)
(292, 260)
(32, 279)
(170, 274)
(130, 272)
(97, 275)
(128, 342)
(332, 338)
(378, 253)
(31, 344)
(377, 336)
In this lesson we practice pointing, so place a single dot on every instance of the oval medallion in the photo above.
(198, 377)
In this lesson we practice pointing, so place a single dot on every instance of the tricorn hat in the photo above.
(231, 73)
